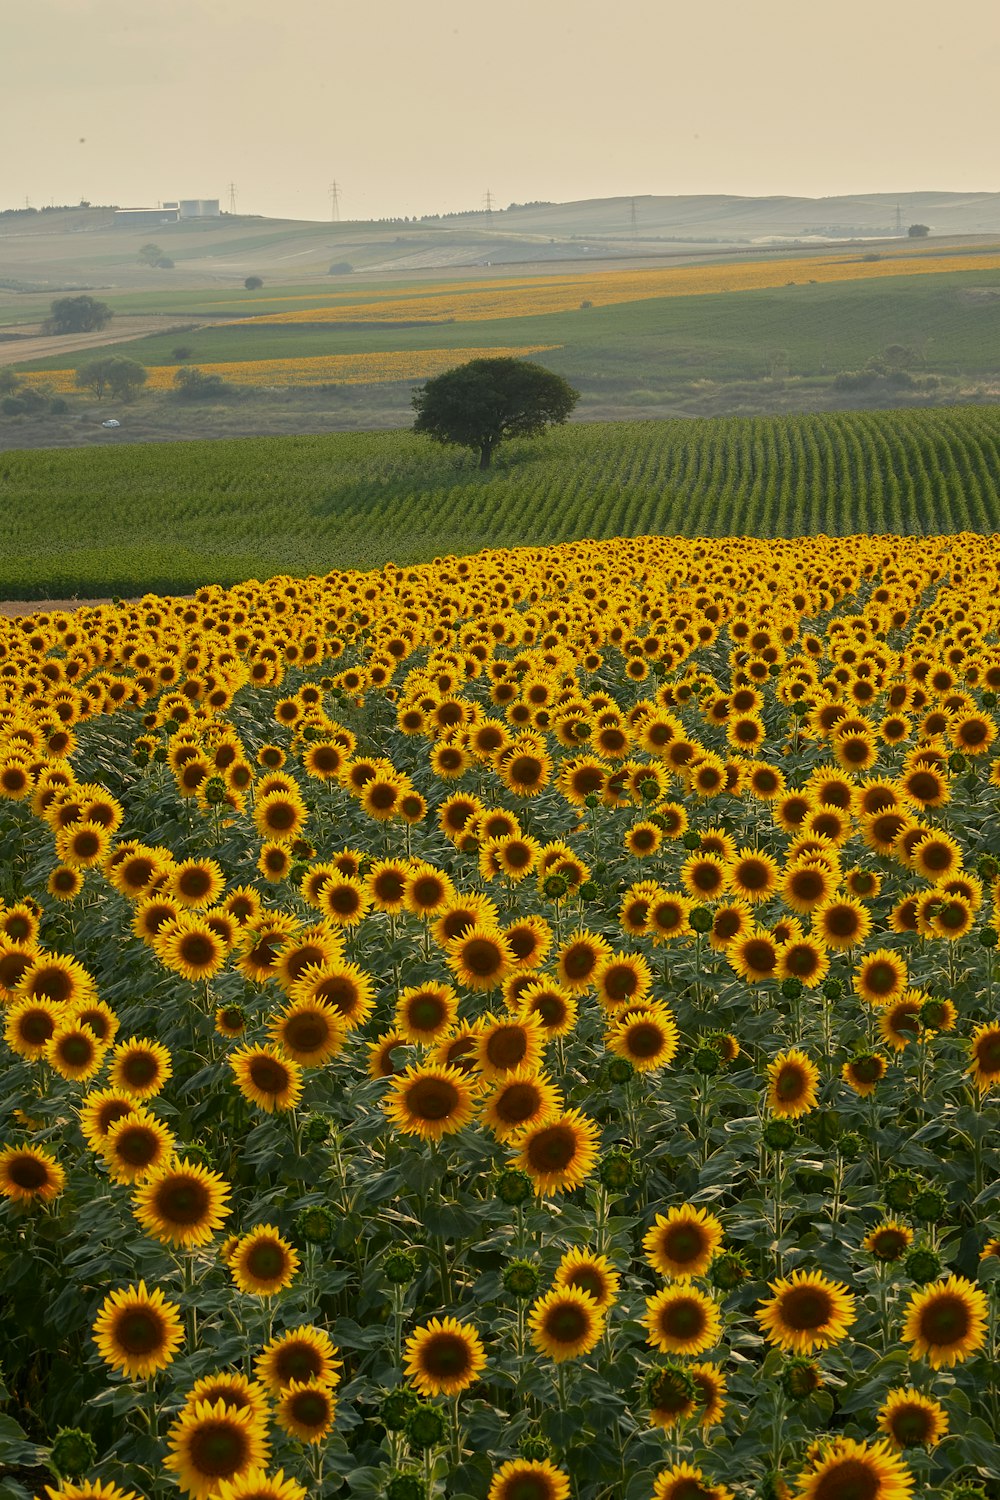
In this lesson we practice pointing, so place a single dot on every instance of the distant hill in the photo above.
(75, 248)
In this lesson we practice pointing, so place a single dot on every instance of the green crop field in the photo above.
(169, 516)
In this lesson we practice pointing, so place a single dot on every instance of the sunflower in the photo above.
(318, 944)
(565, 1323)
(633, 914)
(555, 1007)
(643, 839)
(912, 1420)
(804, 959)
(530, 939)
(841, 923)
(889, 1241)
(755, 955)
(529, 1479)
(589, 1273)
(430, 1101)
(864, 1072)
(646, 1035)
(972, 733)
(881, 977)
(683, 1243)
(623, 979)
(946, 1322)
(793, 1079)
(256, 1484)
(306, 1410)
(984, 1050)
(29, 1174)
(710, 1382)
(309, 1032)
(685, 1481)
(191, 948)
(443, 1357)
(73, 1051)
(15, 960)
(152, 915)
(428, 892)
(209, 1444)
(731, 923)
(182, 1204)
(669, 917)
(89, 1489)
(343, 986)
(235, 1390)
(579, 959)
(138, 1332)
(521, 1099)
(807, 1312)
(671, 1394)
(279, 815)
(136, 1145)
(262, 1262)
(925, 786)
(426, 1012)
(805, 886)
(705, 877)
(196, 882)
(102, 1109)
(936, 856)
(682, 1320)
(381, 1060)
(140, 1067)
(899, 1023)
(480, 957)
(559, 1154)
(845, 1469)
(83, 845)
(507, 1044)
(98, 1017)
(56, 977)
(303, 1354)
(753, 876)
(344, 900)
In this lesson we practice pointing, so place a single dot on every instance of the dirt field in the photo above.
(36, 345)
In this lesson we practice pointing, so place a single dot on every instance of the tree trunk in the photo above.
(485, 454)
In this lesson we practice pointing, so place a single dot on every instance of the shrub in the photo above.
(192, 384)
(340, 268)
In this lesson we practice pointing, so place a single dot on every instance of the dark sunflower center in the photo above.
(587, 1279)
(86, 843)
(311, 1408)
(566, 1323)
(76, 1051)
(806, 1307)
(427, 892)
(528, 1487)
(944, 1320)
(523, 943)
(644, 1039)
(889, 1244)
(683, 1243)
(507, 1046)
(481, 957)
(526, 770)
(850, 1479)
(683, 1319)
(298, 1362)
(299, 959)
(28, 1173)
(140, 1331)
(307, 1031)
(553, 1149)
(266, 1260)
(281, 816)
(52, 984)
(432, 1098)
(219, 1448)
(707, 878)
(808, 884)
(197, 949)
(195, 883)
(727, 925)
(881, 978)
(518, 1102)
(140, 1069)
(936, 856)
(753, 875)
(760, 956)
(445, 1355)
(579, 961)
(182, 1200)
(620, 982)
(268, 1075)
(988, 1052)
(137, 1145)
(689, 1489)
(911, 1425)
(842, 921)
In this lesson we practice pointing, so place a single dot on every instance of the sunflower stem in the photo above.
(456, 1433)
(190, 1308)
(398, 1293)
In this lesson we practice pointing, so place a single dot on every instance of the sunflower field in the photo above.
(520, 1027)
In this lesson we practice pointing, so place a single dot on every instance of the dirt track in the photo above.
(38, 345)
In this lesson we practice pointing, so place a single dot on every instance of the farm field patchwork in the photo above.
(167, 516)
(517, 1027)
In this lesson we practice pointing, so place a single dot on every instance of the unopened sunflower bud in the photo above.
(72, 1452)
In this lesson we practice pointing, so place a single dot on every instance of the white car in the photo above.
(111, 423)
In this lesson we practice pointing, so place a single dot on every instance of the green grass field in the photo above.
(170, 516)
(949, 323)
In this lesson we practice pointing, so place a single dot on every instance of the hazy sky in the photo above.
(420, 106)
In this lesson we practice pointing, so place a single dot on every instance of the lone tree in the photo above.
(918, 231)
(77, 315)
(478, 404)
(254, 283)
(123, 377)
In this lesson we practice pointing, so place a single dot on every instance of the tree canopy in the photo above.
(122, 377)
(77, 315)
(478, 404)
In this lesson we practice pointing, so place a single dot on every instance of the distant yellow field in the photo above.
(339, 369)
(526, 297)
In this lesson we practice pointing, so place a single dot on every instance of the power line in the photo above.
(232, 197)
(488, 205)
(334, 203)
